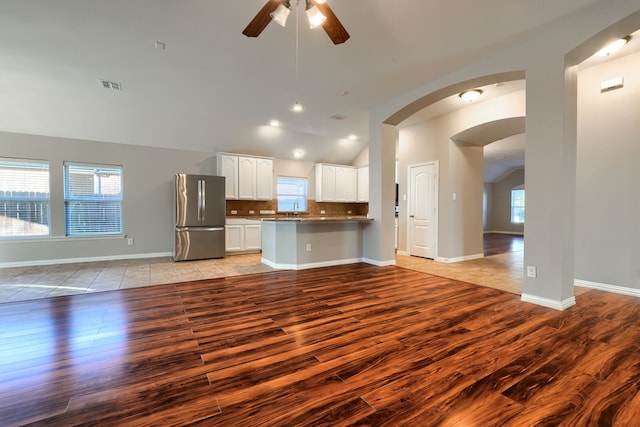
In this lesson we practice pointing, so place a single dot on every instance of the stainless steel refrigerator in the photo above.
(199, 217)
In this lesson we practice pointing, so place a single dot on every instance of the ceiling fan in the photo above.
(318, 12)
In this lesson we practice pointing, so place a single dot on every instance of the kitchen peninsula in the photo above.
(307, 242)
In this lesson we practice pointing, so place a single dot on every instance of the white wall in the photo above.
(147, 191)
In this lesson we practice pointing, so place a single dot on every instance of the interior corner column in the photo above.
(550, 183)
(378, 237)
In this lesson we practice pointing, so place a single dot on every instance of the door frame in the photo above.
(436, 164)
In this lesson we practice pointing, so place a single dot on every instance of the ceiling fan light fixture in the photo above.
(281, 13)
(613, 47)
(470, 95)
(314, 15)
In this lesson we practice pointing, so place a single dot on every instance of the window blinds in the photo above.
(92, 199)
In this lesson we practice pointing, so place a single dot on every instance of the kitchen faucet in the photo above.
(295, 208)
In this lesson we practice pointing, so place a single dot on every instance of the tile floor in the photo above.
(24, 283)
(503, 271)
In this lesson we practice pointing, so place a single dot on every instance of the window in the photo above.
(292, 194)
(24, 198)
(92, 199)
(517, 206)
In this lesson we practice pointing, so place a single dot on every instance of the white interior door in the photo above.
(423, 181)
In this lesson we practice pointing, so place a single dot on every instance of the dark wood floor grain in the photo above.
(498, 243)
(349, 345)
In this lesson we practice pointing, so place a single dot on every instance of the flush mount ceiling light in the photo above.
(275, 123)
(470, 95)
(613, 47)
(297, 107)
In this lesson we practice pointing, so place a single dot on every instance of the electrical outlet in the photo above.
(234, 212)
(532, 271)
(130, 242)
(308, 247)
(322, 212)
(252, 212)
(348, 212)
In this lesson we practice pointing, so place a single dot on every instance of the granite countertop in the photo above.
(339, 218)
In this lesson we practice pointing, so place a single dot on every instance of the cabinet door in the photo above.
(363, 184)
(351, 184)
(234, 237)
(228, 167)
(341, 178)
(252, 237)
(247, 178)
(328, 183)
(264, 179)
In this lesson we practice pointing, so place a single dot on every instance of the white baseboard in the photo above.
(608, 288)
(405, 253)
(87, 259)
(548, 302)
(379, 263)
(459, 259)
(332, 263)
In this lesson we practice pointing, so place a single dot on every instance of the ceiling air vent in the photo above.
(110, 85)
(338, 117)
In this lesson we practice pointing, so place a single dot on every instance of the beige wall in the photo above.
(460, 221)
(501, 202)
(607, 190)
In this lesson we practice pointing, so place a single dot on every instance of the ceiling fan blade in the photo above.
(262, 19)
(332, 25)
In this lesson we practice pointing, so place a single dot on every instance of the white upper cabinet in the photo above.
(264, 179)
(363, 184)
(336, 183)
(228, 167)
(248, 178)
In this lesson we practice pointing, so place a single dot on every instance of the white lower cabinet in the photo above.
(243, 235)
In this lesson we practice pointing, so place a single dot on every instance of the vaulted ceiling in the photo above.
(190, 79)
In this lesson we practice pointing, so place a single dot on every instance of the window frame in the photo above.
(46, 212)
(305, 196)
(72, 229)
(520, 207)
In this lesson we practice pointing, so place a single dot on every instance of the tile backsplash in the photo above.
(244, 208)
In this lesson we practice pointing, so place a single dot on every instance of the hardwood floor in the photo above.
(349, 345)
(498, 243)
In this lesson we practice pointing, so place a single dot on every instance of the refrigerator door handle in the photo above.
(200, 200)
(203, 199)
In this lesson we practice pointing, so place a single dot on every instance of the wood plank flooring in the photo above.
(339, 346)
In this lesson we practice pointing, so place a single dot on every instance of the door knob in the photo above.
(411, 216)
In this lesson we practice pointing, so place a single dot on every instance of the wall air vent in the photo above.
(338, 117)
(110, 85)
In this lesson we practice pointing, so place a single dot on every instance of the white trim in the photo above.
(548, 302)
(459, 259)
(379, 263)
(608, 288)
(405, 253)
(87, 259)
(310, 264)
(43, 239)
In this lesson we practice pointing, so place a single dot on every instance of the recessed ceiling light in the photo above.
(297, 107)
(298, 153)
(613, 47)
(275, 123)
(352, 137)
(470, 95)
